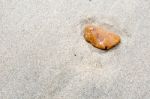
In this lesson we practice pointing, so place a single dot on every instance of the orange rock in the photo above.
(100, 38)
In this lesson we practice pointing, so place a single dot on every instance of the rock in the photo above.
(100, 38)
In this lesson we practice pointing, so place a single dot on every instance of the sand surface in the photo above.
(43, 54)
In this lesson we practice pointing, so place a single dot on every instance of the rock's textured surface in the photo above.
(100, 38)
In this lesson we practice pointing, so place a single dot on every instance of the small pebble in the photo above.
(100, 38)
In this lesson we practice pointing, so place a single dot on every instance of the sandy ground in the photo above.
(43, 54)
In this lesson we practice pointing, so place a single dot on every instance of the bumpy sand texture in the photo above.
(100, 37)
(44, 56)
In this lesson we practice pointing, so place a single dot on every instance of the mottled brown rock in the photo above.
(100, 38)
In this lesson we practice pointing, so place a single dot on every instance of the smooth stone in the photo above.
(100, 37)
